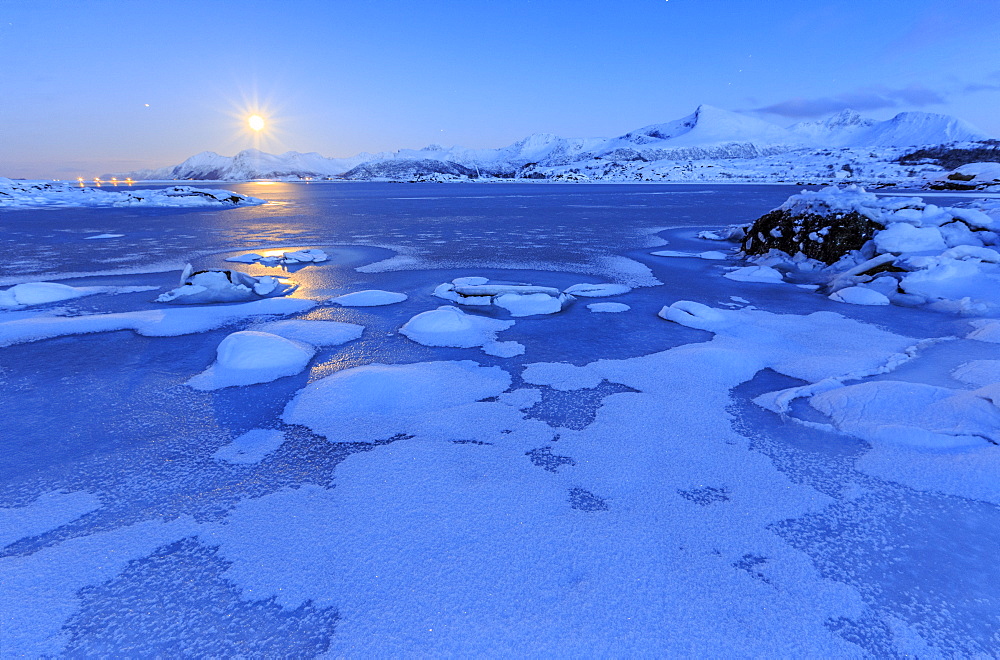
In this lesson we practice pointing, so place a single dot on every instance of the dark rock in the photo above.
(825, 238)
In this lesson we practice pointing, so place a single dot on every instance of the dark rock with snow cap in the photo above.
(825, 238)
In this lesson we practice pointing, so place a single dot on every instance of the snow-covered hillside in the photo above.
(708, 145)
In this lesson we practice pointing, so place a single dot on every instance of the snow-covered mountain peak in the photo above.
(711, 125)
(845, 118)
(918, 128)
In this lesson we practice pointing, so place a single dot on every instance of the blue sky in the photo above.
(91, 87)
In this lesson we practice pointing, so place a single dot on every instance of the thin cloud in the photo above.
(801, 108)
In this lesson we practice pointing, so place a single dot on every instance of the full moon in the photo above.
(256, 122)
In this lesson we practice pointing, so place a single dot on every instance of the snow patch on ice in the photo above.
(978, 372)
(379, 401)
(560, 376)
(369, 298)
(597, 290)
(288, 258)
(168, 322)
(49, 511)
(608, 307)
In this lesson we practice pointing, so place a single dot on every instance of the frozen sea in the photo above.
(614, 490)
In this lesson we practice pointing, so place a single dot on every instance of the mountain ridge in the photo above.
(707, 133)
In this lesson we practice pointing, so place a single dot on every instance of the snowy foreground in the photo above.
(586, 438)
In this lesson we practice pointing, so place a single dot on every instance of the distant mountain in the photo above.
(707, 134)
(907, 129)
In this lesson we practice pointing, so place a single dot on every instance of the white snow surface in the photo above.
(249, 357)
(368, 298)
(379, 401)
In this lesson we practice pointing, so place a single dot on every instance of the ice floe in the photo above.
(711, 255)
(248, 357)
(368, 298)
(251, 447)
(610, 307)
(597, 290)
(518, 299)
(24, 194)
(450, 326)
(276, 258)
(47, 512)
(379, 401)
(521, 299)
(223, 286)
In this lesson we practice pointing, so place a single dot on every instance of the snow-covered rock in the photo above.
(755, 274)
(221, 286)
(39, 293)
(857, 295)
(248, 357)
(898, 248)
(450, 326)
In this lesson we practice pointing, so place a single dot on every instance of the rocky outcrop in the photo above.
(826, 237)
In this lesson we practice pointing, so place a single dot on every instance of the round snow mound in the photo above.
(249, 349)
(249, 357)
(858, 295)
